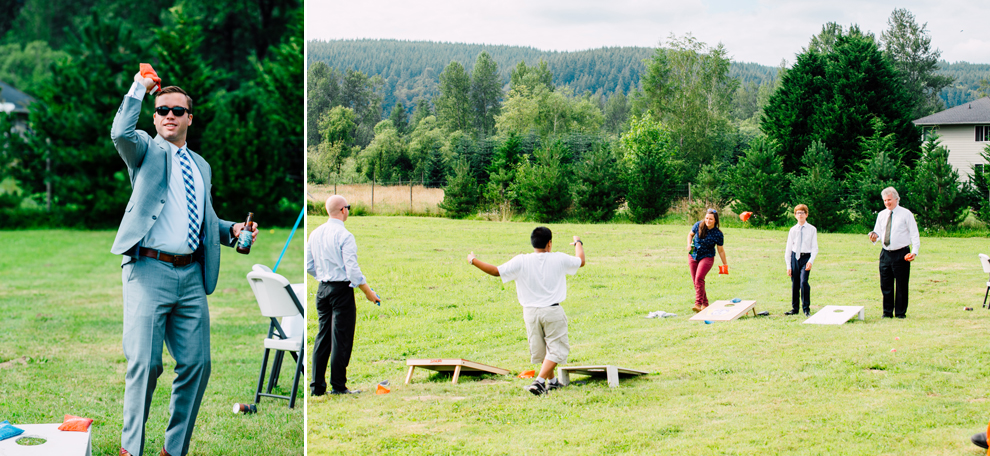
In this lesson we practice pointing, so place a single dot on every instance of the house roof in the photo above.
(20, 100)
(974, 112)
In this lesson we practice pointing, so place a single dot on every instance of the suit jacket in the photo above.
(148, 165)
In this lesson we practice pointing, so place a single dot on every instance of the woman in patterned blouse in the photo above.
(703, 239)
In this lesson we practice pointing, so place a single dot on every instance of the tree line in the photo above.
(410, 70)
(241, 63)
(825, 132)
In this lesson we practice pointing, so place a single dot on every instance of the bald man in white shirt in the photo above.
(898, 230)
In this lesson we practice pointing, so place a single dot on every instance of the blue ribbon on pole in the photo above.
(301, 213)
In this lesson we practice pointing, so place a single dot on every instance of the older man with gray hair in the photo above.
(898, 230)
(331, 258)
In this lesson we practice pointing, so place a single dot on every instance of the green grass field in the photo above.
(60, 344)
(764, 385)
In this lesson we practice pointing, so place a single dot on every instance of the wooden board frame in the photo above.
(455, 365)
(836, 315)
(725, 311)
(611, 373)
(59, 443)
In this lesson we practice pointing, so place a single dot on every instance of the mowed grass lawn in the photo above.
(758, 385)
(61, 311)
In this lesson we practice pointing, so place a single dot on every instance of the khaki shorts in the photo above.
(546, 328)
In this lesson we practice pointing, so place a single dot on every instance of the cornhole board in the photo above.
(725, 311)
(611, 373)
(57, 443)
(455, 365)
(836, 315)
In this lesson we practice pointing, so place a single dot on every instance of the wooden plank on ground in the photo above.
(836, 315)
(455, 365)
(610, 372)
(725, 311)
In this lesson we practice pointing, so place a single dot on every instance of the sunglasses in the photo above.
(179, 111)
(348, 207)
(712, 211)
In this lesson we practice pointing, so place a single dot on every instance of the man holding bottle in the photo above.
(170, 240)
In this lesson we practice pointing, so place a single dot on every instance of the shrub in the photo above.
(817, 187)
(543, 185)
(758, 183)
(460, 196)
(649, 178)
(598, 184)
(935, 190)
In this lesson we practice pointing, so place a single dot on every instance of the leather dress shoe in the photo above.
(791, 312)
(124, 452)
(337, 393)
(164, 453)
(980, 439)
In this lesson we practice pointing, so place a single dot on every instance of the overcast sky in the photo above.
(761, 31)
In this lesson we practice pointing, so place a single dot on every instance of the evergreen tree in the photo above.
(400, 119)
(423, 110)
(543, 183)
(502, 173)
(881, 169)
(650, 181)
(935, 191)
(831, 98)
(616, 112)
(598, 184)
(460, 196)
(816, 187)
(453, 103)
(759, 184)
(909, 46)
(977, 190)
(486, 90)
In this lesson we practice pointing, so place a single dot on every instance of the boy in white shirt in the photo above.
(799, 254)
(541, 285)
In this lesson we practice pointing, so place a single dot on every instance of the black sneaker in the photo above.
(537, 388)
(807, 313)
(346, 391)
(554, 385)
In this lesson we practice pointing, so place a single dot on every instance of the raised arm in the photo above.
(490, 269)
(578, 249)
(126, 138)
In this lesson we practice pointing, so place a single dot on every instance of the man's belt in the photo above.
(170, 258)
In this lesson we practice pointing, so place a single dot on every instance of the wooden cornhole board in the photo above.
(611, 373)
(725, 311)
(58, 443)
(457, 366)
(836, 315)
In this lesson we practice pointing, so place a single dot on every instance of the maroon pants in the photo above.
(699, 269)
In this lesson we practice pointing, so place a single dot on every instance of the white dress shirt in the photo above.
(171, 229)
(903, 229)
(807, 236)
(331, 254)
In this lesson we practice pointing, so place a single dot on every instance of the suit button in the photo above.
(154, 217)
(163, 201)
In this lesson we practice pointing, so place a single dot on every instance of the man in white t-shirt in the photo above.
(541, 285)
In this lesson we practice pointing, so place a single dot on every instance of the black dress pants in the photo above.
(894, 274)
(338, 315)
(799, 282)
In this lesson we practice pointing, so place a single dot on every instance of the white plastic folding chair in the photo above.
(276, 298)
(985, 261)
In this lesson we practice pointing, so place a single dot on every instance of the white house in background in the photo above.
(964, 130)
(16, 102)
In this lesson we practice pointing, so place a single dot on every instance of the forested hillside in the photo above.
(411, 69)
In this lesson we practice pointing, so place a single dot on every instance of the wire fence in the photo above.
(416, 197)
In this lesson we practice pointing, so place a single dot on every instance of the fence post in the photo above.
(372, 191)
(410, 196)
(689, 193)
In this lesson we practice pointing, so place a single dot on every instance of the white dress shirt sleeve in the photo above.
(137, 90)
(913, 232)
(814, 244)
(349, 253)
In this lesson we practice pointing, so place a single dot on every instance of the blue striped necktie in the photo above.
(192, 237)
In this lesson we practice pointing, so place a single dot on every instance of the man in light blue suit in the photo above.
(170, 241)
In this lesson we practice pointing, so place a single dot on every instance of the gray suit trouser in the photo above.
(164, 304)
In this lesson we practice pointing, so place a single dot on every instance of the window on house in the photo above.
(982, 133)
(978, 169)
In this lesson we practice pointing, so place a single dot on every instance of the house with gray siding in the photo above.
(964, 130)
